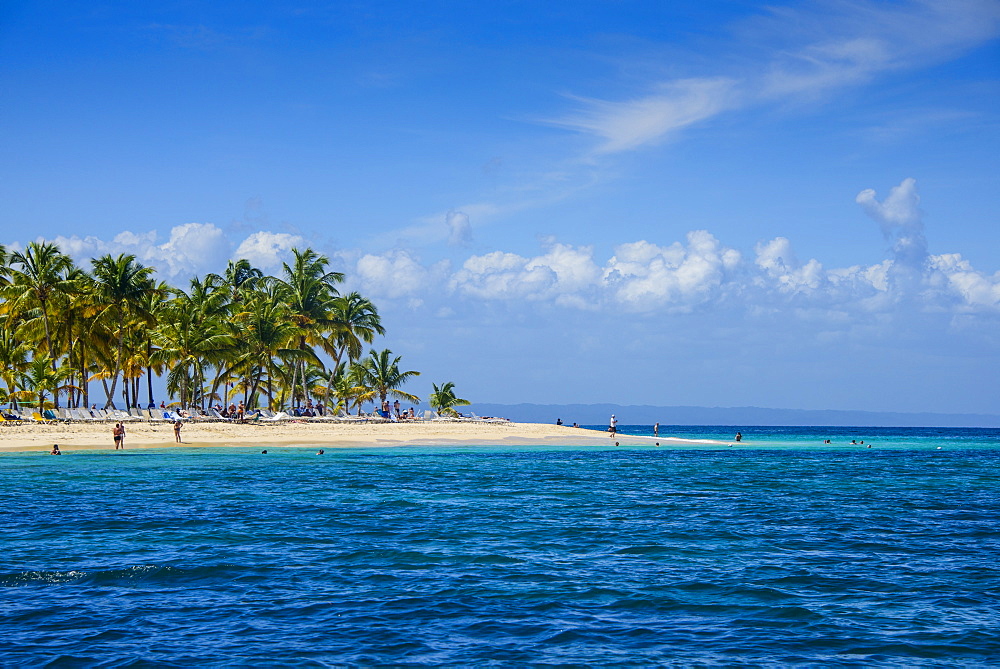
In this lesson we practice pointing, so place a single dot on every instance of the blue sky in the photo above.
(719, 203)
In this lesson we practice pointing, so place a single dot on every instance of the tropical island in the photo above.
(244, 356)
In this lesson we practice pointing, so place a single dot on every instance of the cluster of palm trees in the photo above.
(270, 341)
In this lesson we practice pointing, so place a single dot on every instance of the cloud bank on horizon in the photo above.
(642, 277)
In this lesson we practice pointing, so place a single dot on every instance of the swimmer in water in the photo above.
(55, 450)
(319, 452)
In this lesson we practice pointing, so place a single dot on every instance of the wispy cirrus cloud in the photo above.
(808, 51)
(649, 119)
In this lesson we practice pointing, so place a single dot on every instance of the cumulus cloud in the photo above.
(644, 276)
(701, 272)
(778, 262)
(267, 250)
(192, 248)
(395, 274)
(459, 228)
(564, 273)
(641, 277)
(898, 215)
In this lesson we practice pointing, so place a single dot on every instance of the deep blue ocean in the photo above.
(781, 550)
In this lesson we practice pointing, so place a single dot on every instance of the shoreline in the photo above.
(97, 436)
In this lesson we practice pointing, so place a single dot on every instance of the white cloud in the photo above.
(779, 263)
(266, 250)
(396, 274)
(564, 274)
(899, 209)
(808, 51)
(193, 248)
(899, 217)
(956, 276)
(649, 119)
(643, 276)
(459, 228)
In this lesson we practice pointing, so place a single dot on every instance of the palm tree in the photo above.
(266, 333)
(37, 277)
(40, 379)
(382, 375)
(122, 287)
(240, 277)
(444, 400)
(308, 288)
(355, 322)
(186, 342)
(349, 388)
(13, 357)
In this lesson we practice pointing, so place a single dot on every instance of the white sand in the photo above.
(71, 436)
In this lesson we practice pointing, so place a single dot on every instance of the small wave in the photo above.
(41, 577)
(136, 573)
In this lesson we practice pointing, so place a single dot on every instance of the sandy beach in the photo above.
(70, 436)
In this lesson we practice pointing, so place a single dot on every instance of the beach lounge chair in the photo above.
(5, 421)
(214, 413)
(136, 413)
(38, 418)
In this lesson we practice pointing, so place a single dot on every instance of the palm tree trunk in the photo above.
(114, 374)
(149, 384)
(85, 383)
(48, 348)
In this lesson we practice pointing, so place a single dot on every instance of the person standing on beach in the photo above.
(240, 411)
(177, 432)
(117, 433)
(613, 427)
(656, 430)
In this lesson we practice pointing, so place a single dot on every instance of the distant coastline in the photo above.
(598, 414)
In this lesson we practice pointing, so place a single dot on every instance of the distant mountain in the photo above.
(598, 414)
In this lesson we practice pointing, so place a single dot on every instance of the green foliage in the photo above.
(381, 374)
(63, 330)
(443, 399)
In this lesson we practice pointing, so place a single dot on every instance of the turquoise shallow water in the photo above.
(783, 552)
